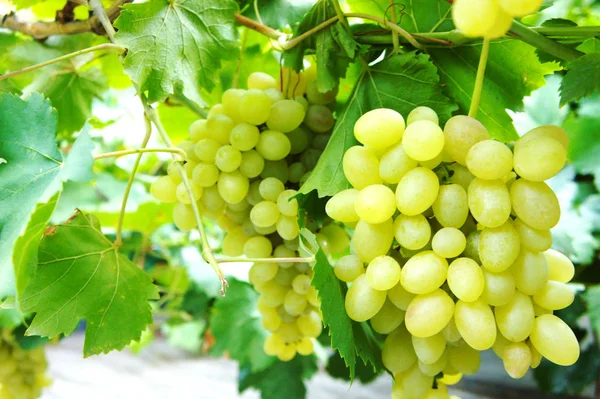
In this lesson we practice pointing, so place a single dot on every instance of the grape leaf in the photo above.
(513, 72)
(10, 318)
(582, 78)
(592, 299)
(82, 275)
(401, 82)
(584, 143)
(591, 45)
(336, 367)
(177, 44)
(277, 13)
(235, 315)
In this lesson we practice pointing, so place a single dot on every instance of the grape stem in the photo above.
(395, 40)
(179, 96)
(106, 46)
(541, 42)
(485, 52)
(142, 150)
(265, 260)
(260, 28)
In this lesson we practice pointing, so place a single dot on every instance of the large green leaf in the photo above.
(582, 79)
(277, 13)
(513, 72)
(177, 44)
(82, 275)
(401, 82)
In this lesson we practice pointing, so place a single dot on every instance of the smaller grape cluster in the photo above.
(22, 372)
(454, 230)
(490, 19)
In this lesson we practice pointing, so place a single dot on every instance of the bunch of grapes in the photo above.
(246, 162)
(22, 372)
(455, 231)
(490, 19)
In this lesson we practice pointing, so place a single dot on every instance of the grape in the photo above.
(361, 167)
(258, 247)
(255, 107)
(310, 157)
(273, 345)
(554, 296)
(530, 271)
(270, 188)
(499, 288)
(412, 232)
(319, 118)
(264, 214)
(252, 164)
(476, 324)
(372, 240)
(261, 81)
(560, 268)
(273, 145)
(460, 175)
(394, 164)
(422, 114)
(500, 26)
(285, 277)
(244, 136)
(489, 160)
(533, 239)
(228, 158)
(539, 158)
(271, 320)
(451, 206)
(472, 17)
(301, 284)
(517, 359)
(450, 379)
(535, 204)
(379, 128)
(553, 338)
(555, 132)
(253, 197)
(305, 347)
(348, 268)
(424, 273)
(286, 204)
(316, 96)
(472, 248)
(264, 271)
(205, 175)
(288, 352)
(450, 332)
(299, 139)
(215, 110)
(417, 191)
(234, 241)
(499, 247)
(320, 141)
(538, 310)
(415, 383)
(188, 169)
(489, 202)
(278, 169)
(281, 251)
(383, 273)
(429, 349)
(449, 242)
(188, 147)
(536, 357)
(231, 101)
(515, 319)
(286, 115)
(173, 172)
(434, 368)
(163, 189)
(362, 301)
(462, 132)
(183, 217)
(400, 297)
(520, 8)
(297, 170)
(428, 314)
(206, 150)
(466, 279)
(340, 207)
(233, 187)
(197, 130)
(294, 303)
(387, 319)
(464, 359)
(375, 204)
(398, 354)
(423, 140)
(337, 238)
(219, 126)
(287, 227)
(310, 325)
(183, 196)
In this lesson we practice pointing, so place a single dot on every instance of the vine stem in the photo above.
(485, 52)
(105, 46)
(142, 150)
(265, 260)
(260, 28)
(179, 96)
(541, 42)
(98, 9)
(395, 40)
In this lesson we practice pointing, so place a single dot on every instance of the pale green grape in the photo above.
(422, 114)
(231, 101)
(466, 279)
(415, 383)
(451, 333)
(310, 325)
(428, 314)
(264, 271)
(499, 247)
(399, 296)
(205, 175)
(348, 268)
(539, 158)
(379, 128)
(305, 347)
(337, 238)
(258, 247)
(489, 202)
(387, 319)
(554, 296)
(286, 115)
(298, 99)
(394, 164)
(460, 175)
(278, 169)
(520, 8)
(273, 145)
(462, 132)
(464, 359)
(533, 239)
(234, 241)
(188, 169)
(233, 187)
(252, 164)
(476, 324)
(372, 240)
(489, 160)
(424, 273)
(183, 196)
(197, 130)
(255, 107)
(301, 284)
(530, 271)
(219, 126)
(451, 207)
(553, 338)
(448, 242)
(341, 207)
(299, 140)
(500, 344)
(215, 110)
(500, 26)
(183, 217)
(188, 147)
(555, 132)
(429, 349)
(173, 172)
(472, 248)
(517, 359)
(281, 251)
(319, 118)
(423, 140)
(289, 332)
(271, 320)
(383, 273)
(287, 227)
(253, 197)
(535, 204)
(375, 204)
(164, 189)
(206, 150)
(244, 136)
(228, 158)
(316, 96)
(294, 303)
(270, 188)
(287, 205)
(361, 167)
(362, 301)
(473, 17)
(515, 319)
(536, 357)
(273, 294)
(412, 232)
(398, 354)
(297, 170)
(417, 191)
(499, 288)
(261, 81)
(264, 214)
(432, 163)
(560, 268)
(310, 157)
(273, 345)
(285, 276)
(434, 369)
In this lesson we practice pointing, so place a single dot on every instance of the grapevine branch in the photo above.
(142, 150)
(485, 52)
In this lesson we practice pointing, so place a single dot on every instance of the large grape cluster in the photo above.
(455, 231)
(22, 372)
(246, 162)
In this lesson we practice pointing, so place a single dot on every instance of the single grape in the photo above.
(164, 189)
(463, 132)
(244, 136)
(219, 126)
(270, 188)
(499, 288)
(464, 359)
(417, 191)
(198, 131)
(423, 140)
(261, 81)
(319, 118)
(415, 383)
(255, 107)
(398, 354)
(555, 132)
(379, 128)
(182, 193)
(287, 227)
(228, 158)
(489, 202)
(476, 324)
(422, 114)
(383, 273)
(395, 163)
(188, 147)
(273, 145)
(387, 319)
(372, 240)
(206, 150)
(428, 314)
(320, 141)
(252, 164)
(264, 214)
(286, 115)
(375, 204)
(258, 247)
(399, 296)
(299, 140)
(460, 175)
(549, 330)
(297, 170)
(286, 204)
(539, 158)
(278, 169)
(310, 325)
(449, 242)
(305, 347)
(554, 296)
(294, 303)
(499, 247)
(451, 207)
(301, 284)
(205, 175)
(535, 204)
(273, 345)
(233, 187)
(424, 273)
(231, 101)
(500, 26)
(515, 319)
(429, 349)
(530, 270)
(362, 301)
(489, 160)
(361, 167)
(533, 239)
(183, 217)
(412, 232)
(337, 238)
(517, 359)
(316, 96)
(473, 17)
(560, 268)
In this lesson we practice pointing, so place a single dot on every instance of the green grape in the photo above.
(206, 150)
(340, 207)
(460, 175)
(188, 147)
(219, 126)
(423, 140)
(297, 170)
(500, 344)
(399, 296)
(499, 247)
(299, 140)
(553, 338)
(228, 158)
(560, 268)
(387, 319)
(379, 128)
(415, 383)
(255, 107)
(394, 164)
(270, 188)
(362, 301)
(417, 191)
(466, 279)
(536, 357)
(234, 241)
(310, 324)
(301, 284)
(473, 17)
(429, 349)
(264, 214)
(539, 158)
(319, 118)
(310, 157)
(305, 347)
(500, 26)
(287, 227)
(517, 359)
(361, 167)
(198, 131)
(434, 369)
(183, 196)
(273, 294)
(412, 232)
(515, 319)
(530, 270)
(463, 132)
(261, 81)
(424, 273)
(286, 115)
(554, 296)
(428, 314)
(398, 354)
(464, 359)
(281, 251)
(422, 114)
(451, 206)
(448, 242)
(173, 172)
(264, 271)
(499, 288)
(258, 247)
(244, 136)
(285, 276)
(183, 217)
(372, 240)
(271, 320)
(288, 352)
(535, 204)
(286, 204)
(274, 94)
(451, 333)
(205, 175)
(375, 204)
(253, 197)
(273, 145)
(233, 187)
(320, 141)
(472, 248)
(336, 238)
(300, 100)
(188, 169)
(533, 239)
(520, 8)
(316, 96)
(555, 132)
(273, 345)
(231, 101)
(383, 273)
(215, 110)
(164, 189)
(489, 202)
(476, 324)
(294, 303)
(252, 164)
(489, 160)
